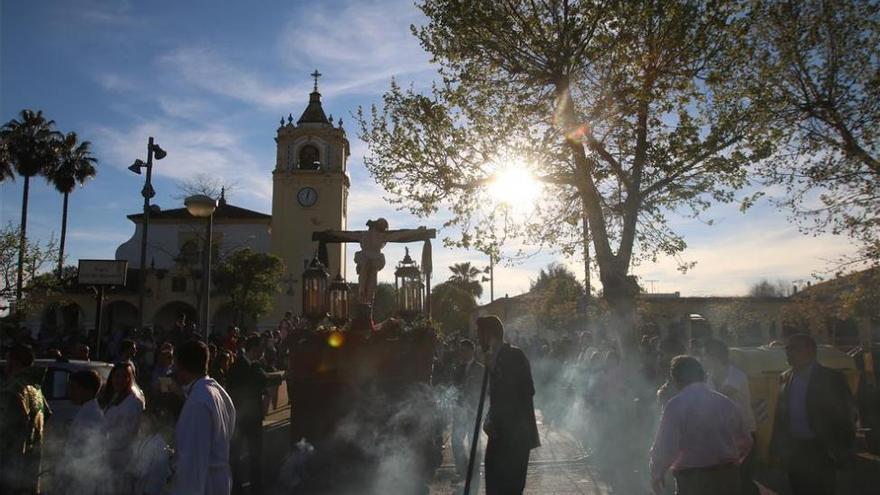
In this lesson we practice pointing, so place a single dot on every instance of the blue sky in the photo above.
(210, 80)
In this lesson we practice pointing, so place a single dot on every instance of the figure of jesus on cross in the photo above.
(370, 260)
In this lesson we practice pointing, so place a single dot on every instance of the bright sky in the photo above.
(210, 80)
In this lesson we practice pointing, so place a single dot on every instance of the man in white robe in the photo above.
(82, 473)
(204, 429)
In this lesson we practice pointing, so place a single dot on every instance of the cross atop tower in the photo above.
(316, 75)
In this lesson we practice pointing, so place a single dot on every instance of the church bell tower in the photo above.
(309, 193)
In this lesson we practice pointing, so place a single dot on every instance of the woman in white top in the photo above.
(122, 416)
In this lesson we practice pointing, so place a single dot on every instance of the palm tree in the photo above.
(74, 165)
(465, 276)
(5, 162)
(30, 145)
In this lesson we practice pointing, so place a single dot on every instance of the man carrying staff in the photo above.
(510, 423)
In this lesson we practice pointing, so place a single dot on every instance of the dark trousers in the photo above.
(811, 469)
(747, 484)
(717, 480)
(252, 436)
(506, 468)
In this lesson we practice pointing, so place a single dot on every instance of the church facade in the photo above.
(309, 193)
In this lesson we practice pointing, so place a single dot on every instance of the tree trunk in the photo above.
(63, 237)
(620, 290)
(22, 243)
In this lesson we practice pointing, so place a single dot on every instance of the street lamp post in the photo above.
(201, 206)
(147, 192)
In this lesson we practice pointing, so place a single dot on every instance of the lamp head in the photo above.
(200, 205)
(136, 166)
(158, 152)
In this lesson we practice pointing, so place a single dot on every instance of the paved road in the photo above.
(559, 466)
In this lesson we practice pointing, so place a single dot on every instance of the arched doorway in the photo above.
(224, 318)
(119, 315)
(62, 319)
(167, 315)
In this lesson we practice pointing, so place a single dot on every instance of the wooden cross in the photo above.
(369, 259)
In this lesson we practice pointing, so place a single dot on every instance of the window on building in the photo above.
(178, 284)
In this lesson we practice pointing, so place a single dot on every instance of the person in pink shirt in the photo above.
(702, 437)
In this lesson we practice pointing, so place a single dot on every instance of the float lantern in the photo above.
(314, 293)
(339, 293)
(408, 282)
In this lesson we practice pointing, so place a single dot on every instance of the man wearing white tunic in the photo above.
(81, 473)
(204, 428)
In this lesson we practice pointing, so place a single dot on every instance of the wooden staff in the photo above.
(475, 438)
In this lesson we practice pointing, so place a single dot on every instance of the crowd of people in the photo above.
(175, 415)
(685, 414)
(180, 415)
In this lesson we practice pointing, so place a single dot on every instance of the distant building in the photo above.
(843, 312)
(310, 186)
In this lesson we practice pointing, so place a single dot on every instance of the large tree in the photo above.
(74, 165)
(250, 280)
(452, 306)
(466, 277)
(30, 147)
(38, 257)
(816, 72)
(556, 296)
(625, 109)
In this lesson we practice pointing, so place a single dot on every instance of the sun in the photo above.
(514, 185)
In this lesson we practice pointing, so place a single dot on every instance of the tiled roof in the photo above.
(314, 113)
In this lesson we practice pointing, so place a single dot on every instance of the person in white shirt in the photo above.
(121, 422)
(702, 437)
(82, 472)
(151, 459)
(204, 429)
(733, 383)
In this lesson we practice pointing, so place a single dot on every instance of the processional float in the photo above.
(357, 387)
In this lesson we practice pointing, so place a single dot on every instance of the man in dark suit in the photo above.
(246, 382)
(467, 380)
(510, 423)
(814, 428)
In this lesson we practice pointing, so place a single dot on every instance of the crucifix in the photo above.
(316, 75)
(370, 260)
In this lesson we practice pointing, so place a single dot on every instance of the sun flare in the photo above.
(514, 185)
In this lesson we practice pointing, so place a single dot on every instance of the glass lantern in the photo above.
(314, 294)
(408, 282)
(339, 291)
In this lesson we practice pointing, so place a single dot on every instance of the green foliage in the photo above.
(31, 143)
(74, 164)
(37, 258)
(5, 161)
(765, 288)
(452, 306)
(385, 302)
(250, 280)
(556, 294)
(816, 73)
(467, 278)
(627, 110)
